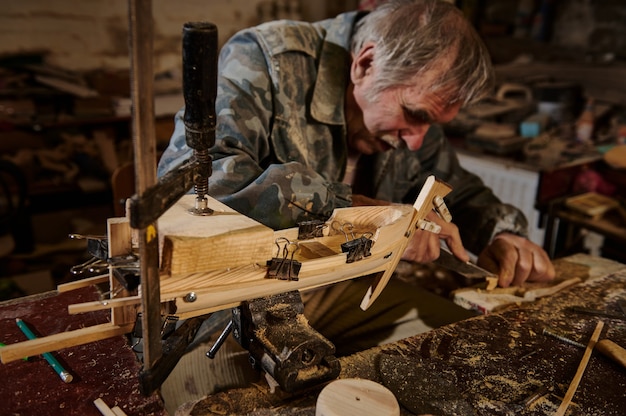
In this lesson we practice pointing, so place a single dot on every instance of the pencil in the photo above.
(65, 376)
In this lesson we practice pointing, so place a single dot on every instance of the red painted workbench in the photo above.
(105, 369)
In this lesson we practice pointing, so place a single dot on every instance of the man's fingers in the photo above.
(516, 260)
(451, 235)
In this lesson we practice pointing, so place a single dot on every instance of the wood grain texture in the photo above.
(423, 205)
(119, 235)
(198, 243)
(356, 397)
(612, 350)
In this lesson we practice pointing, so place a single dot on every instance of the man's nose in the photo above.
(414, 136)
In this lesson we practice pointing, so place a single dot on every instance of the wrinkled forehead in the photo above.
(433, 81)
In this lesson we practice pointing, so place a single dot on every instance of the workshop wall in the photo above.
(93, 34)
(582, 26)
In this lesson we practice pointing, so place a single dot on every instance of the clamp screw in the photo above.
(190, 297)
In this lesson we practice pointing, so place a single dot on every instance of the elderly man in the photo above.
(344, 112)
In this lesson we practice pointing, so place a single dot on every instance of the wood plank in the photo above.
(62, 340)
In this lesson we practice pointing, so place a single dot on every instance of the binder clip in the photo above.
(356, 247)
(284, 267)
(310, 229)
(168, 326)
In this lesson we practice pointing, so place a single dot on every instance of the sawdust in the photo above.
(497, 362)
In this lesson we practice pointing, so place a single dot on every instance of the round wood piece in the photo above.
(616, 157)
(356, 397)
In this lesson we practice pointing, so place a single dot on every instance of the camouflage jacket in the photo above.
(280, 152)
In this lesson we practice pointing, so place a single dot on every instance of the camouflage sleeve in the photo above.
(246, 173)
(478, 213)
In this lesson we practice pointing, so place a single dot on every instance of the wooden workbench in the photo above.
(104, 369)
(485, 365)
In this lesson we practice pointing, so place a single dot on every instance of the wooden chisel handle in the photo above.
(612, 350)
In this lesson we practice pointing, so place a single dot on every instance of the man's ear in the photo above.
(362, 64)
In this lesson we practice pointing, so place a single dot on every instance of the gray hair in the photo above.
(414, 36)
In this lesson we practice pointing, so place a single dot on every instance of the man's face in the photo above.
(395, 117)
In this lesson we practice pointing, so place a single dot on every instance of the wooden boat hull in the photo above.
(216, 262)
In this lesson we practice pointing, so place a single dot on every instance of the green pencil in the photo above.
(65, 376)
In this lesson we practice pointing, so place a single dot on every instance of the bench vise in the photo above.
(281, 342)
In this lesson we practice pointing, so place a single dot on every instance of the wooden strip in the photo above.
(103, 407)
(550, 290)
(118, 411)
(98, 305)
(581, 369)
(59, 341)
(95, 280)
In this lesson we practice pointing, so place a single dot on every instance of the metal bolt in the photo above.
(190, 297)
(560, 337)
(307, 356)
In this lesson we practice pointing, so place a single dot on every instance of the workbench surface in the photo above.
(486, 365)
(104, 369)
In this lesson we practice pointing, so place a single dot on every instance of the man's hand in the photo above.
(516, 260)
(424, 247)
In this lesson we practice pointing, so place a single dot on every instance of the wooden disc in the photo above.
(356, 397)
(616, 157)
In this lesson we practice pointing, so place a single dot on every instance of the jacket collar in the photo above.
(327, 104)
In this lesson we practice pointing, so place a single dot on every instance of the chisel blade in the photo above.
(467, 269)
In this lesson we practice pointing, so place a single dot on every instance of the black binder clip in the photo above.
(284, 267)
(310, 229)
(356, 247)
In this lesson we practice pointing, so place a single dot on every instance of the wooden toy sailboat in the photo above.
(210, 263)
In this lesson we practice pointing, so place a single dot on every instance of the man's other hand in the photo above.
(516, 260)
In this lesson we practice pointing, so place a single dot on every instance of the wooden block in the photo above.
(591, 204)
(200, 243)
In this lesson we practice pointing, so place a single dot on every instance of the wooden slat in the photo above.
(66, 287)
(98, 305)
(59, 341)
(580, 371)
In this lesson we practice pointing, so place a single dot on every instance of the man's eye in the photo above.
(420, 117)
